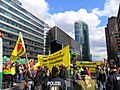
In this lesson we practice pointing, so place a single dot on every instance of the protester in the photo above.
(17, 72)
(63, 72)
(20, 72)
(97, 76)
(102, 79)
(113, 82)
(6, 76)
(55, 83)
(89, 72)
(39, 77)
(12, 74)
(85, 71)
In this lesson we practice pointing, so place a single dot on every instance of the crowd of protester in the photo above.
(41, 78)
(107, 77)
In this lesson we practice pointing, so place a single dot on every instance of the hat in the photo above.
(54, 69)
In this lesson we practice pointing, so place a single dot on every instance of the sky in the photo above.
(63, 13)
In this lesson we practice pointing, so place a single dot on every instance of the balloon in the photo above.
(21, 60)
(16, 61)
(82, 62)
(5, 58)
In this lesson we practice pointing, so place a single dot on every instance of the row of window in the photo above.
(33, 43)
(20, 20)
(20, 14)
(17, 31)
(8, 42)
(19, 26)
(25, 40)
(24, 11)
(30, 54)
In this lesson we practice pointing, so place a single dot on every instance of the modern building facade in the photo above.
(14, 19)
(118, 36)
(109, 40)
(118, 20)
(112, 40)
(57, 39)
(112, 32)
(82, 36)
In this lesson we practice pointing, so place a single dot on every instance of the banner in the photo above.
(91, 65)
(56, 59)
(19, 49)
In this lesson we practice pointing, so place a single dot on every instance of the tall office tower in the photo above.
(14, 19)
(110, 38)
(112, 32)
(82, 36)
(118, 35)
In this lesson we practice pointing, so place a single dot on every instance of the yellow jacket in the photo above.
(13, 70)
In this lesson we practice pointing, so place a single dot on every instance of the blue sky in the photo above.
(56, 6)
(63, 13)
(67, 5)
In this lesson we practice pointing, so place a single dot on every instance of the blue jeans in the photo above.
(20, 76)
(102, 85)
(30, 84)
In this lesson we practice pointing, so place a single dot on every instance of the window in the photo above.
(17, 31)
(20, 14)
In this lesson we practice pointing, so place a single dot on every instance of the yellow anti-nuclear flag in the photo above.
(19, 49)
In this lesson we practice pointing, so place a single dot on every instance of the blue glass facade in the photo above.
(82, 36)
(14, 19)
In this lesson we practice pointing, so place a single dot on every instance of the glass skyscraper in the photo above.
(14, 19)
(82, 36)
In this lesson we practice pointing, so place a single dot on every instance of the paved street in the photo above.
(19, 86)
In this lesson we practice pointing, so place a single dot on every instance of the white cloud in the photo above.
(66, 21)
(36, 7)
(110, 8)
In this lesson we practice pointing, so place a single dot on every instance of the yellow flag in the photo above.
(19, 49)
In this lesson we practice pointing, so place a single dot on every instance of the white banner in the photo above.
(1, 53)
